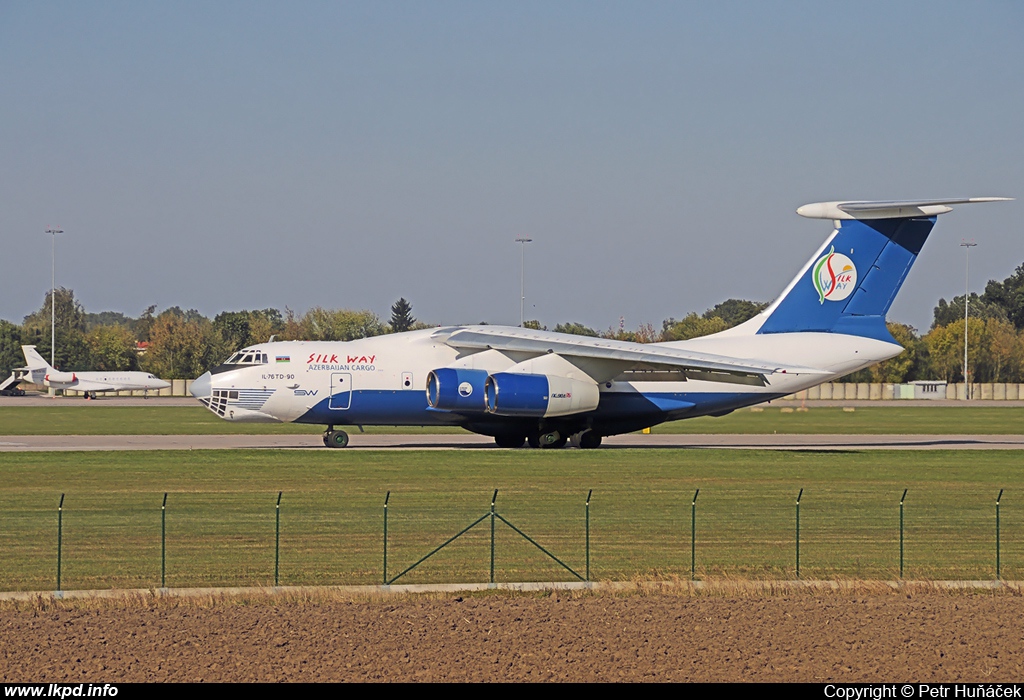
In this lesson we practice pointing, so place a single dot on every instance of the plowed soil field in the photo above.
(845, 636)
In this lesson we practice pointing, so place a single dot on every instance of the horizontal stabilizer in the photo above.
(900, 209)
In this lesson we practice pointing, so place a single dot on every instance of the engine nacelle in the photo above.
(451, 389)
(57, 379)
(538, 395)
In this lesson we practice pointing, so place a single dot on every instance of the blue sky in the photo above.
(225, 155)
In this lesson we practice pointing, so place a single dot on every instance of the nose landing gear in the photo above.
(335, 438)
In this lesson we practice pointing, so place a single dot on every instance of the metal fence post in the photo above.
(493, 499)
(693, 535)
(902, 499)
(798, 497)
(60, 537)
(163, 542)
(388, 496)
(277, 539)
(998, 562)
(589, 493)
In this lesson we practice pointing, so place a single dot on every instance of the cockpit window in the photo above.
(247, 358)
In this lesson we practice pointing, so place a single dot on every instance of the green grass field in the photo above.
(220, 515)
(97, 419)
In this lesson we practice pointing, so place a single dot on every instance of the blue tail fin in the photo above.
(849, 287)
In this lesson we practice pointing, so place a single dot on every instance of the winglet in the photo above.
(900, 209)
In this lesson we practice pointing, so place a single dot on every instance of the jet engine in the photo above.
(57, 379)
(452, 389)
(538, 395)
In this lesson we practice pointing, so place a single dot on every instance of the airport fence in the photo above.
(191, 539)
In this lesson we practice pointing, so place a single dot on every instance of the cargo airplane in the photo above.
(40, 372)
(525, 386)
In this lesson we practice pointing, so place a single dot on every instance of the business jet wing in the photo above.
(93, 385)
(615, 356)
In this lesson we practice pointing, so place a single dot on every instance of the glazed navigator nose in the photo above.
(201, 387)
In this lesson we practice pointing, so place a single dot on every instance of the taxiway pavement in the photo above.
(71, 443)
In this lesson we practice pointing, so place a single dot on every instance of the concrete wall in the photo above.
(839, 391)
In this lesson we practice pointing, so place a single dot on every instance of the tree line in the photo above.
(174, 343)
(180, 344)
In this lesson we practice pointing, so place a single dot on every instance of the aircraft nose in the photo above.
(201, 387)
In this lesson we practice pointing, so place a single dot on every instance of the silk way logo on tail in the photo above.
(835, 276)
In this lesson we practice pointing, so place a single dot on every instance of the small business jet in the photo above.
(541, 388)
(40, 372)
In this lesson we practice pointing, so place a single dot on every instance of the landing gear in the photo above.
(88, 396)
(586, 440)
(335, 438)
(553, 440)
(509, 441)
(550, 440)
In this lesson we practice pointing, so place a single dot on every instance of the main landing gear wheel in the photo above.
(587, 440)
(553, 440)
(336, 438)
(510, 441)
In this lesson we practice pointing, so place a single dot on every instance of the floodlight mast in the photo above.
(967, 245)
(53, 287)
(522, 279)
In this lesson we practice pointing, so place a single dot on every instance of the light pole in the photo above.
(53, 287)
(967, 245)
(522, 278)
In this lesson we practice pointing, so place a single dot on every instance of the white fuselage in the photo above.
(97, 381)
(381, 380)
(518, 384)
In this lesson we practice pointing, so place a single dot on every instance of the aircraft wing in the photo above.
(618, 356)
(93, 385)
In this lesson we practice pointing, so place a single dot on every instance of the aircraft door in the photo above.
(341, 391)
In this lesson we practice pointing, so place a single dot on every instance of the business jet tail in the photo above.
(34, 359)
